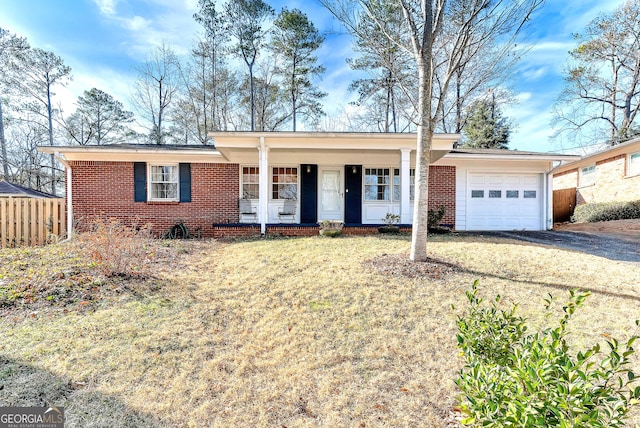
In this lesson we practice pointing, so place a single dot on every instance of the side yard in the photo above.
(280, 332)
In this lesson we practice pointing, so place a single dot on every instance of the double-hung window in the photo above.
(163, 183)
(412, 184)
(250, 182)
(634, 164)
(396, 184)
(284, 183)
(380, 185)
(587, 176)
(377, 184)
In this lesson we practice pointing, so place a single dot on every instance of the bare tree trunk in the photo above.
(420, 228)
(3, 147)
(458, 102)
(253, 98)
(53, 159)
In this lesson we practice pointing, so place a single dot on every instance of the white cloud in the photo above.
(523, 97)
(107, 7)
(535, 74)
(136, 23)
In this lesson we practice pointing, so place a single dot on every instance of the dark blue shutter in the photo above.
(140, 182)
(185, 182)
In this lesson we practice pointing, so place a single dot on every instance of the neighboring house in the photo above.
(8, 189)
(260, 182)
(608, 175)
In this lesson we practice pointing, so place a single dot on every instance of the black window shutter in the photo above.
(140, 182)
(185, 182)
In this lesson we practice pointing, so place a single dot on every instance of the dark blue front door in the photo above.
(353, 194)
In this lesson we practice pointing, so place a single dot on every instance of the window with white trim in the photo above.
(250, 182)
(376, 184)
(396, 184)
(163, 183)
(634, 164)
(412, 184)
(588, 175)
(284, 183)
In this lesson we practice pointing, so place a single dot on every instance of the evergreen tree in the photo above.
(295, 39)
(485, 127)
(246, 24)
(99, 119)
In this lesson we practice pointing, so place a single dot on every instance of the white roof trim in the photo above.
(512, 156)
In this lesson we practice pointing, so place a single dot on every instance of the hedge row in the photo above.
(606, 211)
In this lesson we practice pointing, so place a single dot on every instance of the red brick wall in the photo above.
(442, 191)
(235, 231)
(106, 188)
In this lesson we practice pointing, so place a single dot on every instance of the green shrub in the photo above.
(606, 211)
(434, 217)
(515, 378)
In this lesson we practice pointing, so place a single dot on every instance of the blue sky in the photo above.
(103, 40)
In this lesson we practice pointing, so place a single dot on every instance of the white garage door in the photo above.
(504, 201)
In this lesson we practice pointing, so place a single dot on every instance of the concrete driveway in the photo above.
(603, 245)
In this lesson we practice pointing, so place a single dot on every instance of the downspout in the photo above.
(67, 169)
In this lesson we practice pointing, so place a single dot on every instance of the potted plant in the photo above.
(331, 228)
(390, 224)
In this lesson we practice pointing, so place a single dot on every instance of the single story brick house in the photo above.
(605, 176)
(286, 182)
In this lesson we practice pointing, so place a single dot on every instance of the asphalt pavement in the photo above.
(601, 245)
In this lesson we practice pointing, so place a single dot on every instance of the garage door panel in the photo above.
(504, 201)
(477, 180)
(514, 180)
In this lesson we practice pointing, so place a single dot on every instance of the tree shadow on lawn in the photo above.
(24, 385)
(436, 269)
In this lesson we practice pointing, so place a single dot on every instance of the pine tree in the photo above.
(485, 127)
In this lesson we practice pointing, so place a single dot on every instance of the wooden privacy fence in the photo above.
(31, 221)
(564, 202)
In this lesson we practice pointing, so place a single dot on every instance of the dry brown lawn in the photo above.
(278, 332)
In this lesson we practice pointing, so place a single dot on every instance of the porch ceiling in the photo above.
(349, 147)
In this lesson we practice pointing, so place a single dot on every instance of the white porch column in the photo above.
(263, 202)
(406, 215)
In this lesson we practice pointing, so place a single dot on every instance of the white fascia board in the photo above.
(328, 141)
(133, 154)
(493, 156)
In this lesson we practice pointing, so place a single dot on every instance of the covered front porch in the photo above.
(295, 180)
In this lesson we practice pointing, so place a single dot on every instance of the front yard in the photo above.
(277, 332)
